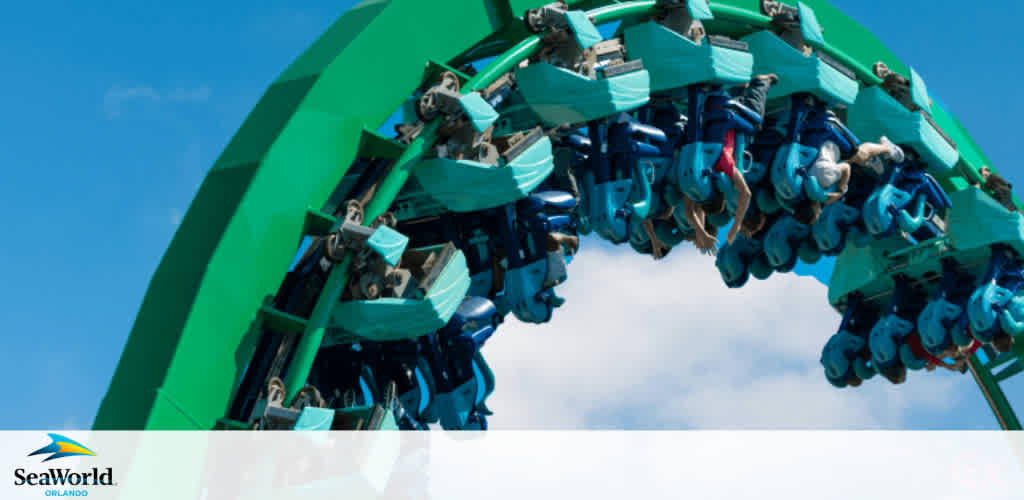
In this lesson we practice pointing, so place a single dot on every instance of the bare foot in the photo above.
(707, 244)
(657, 246)
(554, 240)
(658, 249)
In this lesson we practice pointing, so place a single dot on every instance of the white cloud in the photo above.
(198, 94)
(175, 217)
(117, 95)
(645, 344)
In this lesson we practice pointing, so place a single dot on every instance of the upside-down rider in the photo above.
(753, 96)
(829, 170)
(678, 20)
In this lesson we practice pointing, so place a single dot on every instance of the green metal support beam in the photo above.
(192, 336)
(313, 335)
(994, 395)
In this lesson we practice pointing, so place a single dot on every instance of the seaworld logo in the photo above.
(64, 447)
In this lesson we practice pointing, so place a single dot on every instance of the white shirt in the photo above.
(826, 166)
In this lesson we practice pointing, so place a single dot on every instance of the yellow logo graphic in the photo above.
(62, 447)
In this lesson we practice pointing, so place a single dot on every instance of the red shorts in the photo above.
(726, 163)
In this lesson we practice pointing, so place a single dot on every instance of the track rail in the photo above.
(201, 319)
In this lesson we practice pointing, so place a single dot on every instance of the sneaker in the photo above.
(895, 153)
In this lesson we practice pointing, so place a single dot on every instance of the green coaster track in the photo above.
(292, 167)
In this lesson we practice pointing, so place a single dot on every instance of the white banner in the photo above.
(512, 465)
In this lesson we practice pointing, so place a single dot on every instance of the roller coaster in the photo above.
(523, 125)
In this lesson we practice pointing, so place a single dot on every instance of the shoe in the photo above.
(895, 152)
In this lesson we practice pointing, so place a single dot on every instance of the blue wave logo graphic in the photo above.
(62, 447)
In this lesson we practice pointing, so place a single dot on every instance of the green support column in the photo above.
(994, 395)
(316, 327)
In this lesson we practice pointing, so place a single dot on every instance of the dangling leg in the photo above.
(667, 213)
(555, 240)
(755, 92)
(743, 201)
(706, 243)
(657, 246)
(868, 151)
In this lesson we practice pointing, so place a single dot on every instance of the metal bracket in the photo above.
(337, 242)
(466, 143)
(371, 274)
(562, 50)
(469, 118)
(572, 42)
(441, 99)
(786, 21)
(676, 16)
(272, 414)
(779, 10)
(549, 17)
(512, 145)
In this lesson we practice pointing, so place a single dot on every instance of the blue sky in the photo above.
(115, 113)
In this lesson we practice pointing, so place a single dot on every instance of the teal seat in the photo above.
(977, 221)
(467, 186)
(323, 419)
(388, 243)
(583, 30)
(875, 113)
(974, 225)
(443, 283)
(674, 61)
(478, 110)
(365, 413)
(799, 73)
(314, 419)
(559, 96)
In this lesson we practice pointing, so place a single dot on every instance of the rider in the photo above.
(828, 170)
(998, 188)
(753, 96)
(658, 248)
(896, 85)
(678, 19)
